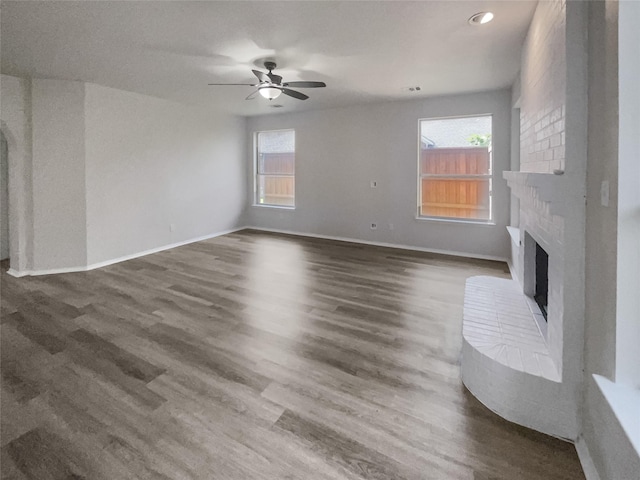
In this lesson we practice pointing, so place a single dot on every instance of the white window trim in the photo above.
(624, 401)
(279, 207)
(628, 231)
(454, 220)
(623, 394)
(254, 194)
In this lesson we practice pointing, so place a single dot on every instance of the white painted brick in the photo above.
(532, 380)
(543, 73)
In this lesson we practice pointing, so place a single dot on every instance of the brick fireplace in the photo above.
(525, 367)
(516, 361)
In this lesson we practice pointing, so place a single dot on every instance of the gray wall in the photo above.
(340, 151)
(98, 174)
(15, 121)
(612, 453)
(158, 173)
(59, 206)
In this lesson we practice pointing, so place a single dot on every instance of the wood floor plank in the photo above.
(254, 356)
(128, 363)
(40, 454)
(346, 451)
(348, 417)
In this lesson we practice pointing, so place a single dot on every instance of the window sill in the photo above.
(279, 207)
(624, 400)
(456, 221)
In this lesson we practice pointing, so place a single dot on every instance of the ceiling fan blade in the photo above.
(277, 79)
(244, 84)
(305, 84)
(294, 94)
(251, 96)
(263, 77)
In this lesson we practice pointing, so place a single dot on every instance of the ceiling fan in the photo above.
(270, 85)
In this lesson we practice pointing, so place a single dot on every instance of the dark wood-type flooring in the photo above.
(254, 356)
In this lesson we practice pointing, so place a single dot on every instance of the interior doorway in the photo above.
(4, 197)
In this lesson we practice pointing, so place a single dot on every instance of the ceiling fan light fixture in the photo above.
(270, 93)
(271, 86)
(481, 18)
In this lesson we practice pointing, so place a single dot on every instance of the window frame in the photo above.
(420, 176)
(256, 157)
(627, 356)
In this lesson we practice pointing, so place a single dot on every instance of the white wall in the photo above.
(152, 164)
(59, 206)
(339, 151)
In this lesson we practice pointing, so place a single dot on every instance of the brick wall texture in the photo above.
(542, 101)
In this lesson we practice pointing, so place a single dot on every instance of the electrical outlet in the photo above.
(374, 184)
(374, 226)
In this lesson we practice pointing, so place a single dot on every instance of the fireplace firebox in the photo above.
(542, 280)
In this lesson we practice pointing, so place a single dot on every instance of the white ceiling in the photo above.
(364, 51)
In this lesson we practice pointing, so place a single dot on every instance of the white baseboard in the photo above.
(24, 273)
(589, 468)
(382, 244)
(29, 273)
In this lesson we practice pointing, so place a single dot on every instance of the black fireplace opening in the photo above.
(542, 280)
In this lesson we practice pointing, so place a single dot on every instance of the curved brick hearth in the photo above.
(505, 360)
(499, 323)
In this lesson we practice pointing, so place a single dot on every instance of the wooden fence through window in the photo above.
(276, 180)
(456, 182)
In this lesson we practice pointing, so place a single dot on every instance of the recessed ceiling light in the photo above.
(481, 18)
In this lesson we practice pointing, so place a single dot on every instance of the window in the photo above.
(455, 168)
(275, 168)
